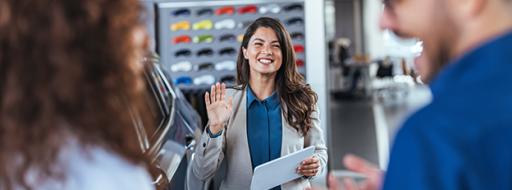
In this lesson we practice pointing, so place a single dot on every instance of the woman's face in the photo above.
(263, 52)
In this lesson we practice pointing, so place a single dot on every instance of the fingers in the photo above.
(332, 182)
(358, 164)
(207, 98)
(223, 91)
(218, 92)
(212, 95)
(309, 167)
(309, 164)
(349, 184)
(312, 172)
(310, 160)
(308, 173)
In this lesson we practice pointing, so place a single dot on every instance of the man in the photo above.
(462, 139)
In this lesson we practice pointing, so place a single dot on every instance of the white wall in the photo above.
(374, 40)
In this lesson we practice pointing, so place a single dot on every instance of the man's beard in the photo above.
(437, 62)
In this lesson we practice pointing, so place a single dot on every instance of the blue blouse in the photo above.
(263, 128)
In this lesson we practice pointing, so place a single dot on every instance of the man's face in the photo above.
(427, 20)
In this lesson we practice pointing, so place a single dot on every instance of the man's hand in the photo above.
(373, 174)
(354, 163)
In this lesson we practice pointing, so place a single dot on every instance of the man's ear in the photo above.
(472, 8)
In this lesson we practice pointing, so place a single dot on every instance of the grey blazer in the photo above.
(233, 148)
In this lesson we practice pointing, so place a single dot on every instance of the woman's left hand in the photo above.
(309, 167)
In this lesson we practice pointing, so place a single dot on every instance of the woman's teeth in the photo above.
(265, 61)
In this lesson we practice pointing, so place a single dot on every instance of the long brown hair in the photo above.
(66, 69)
(297, 97)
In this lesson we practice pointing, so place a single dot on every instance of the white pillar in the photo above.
(316, 60)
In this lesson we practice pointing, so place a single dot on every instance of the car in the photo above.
(225, 24)
(183, 53)
(272, 8)
(181, 12)
(295, 21)
(169, 143)
(229, 10)
(205, 12)
(297, 36)
(299, 63)
(240, 37)
(244, 24)
(208, 66)
(183, 66)
(228, 79)
(226, 65)
(181, 39)
(203, 25)
(248, 9)
(203, 38)
(183, 80)
(293, 7)
(205, 52)
(227, 51)
(182, 25)
(204, 80)
(298, 48)
(227, 38)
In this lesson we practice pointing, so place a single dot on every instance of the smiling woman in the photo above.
(270, 113)
(69, 71)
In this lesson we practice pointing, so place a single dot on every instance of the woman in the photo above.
(270, 114)
(69, 75)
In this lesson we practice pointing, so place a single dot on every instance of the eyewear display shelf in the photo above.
(198, 41)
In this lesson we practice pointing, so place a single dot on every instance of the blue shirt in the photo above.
(463, 139)
(263, 128)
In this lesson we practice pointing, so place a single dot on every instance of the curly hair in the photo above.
(296, 95)
(66, 68)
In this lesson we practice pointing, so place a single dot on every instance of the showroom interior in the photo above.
(363, 76)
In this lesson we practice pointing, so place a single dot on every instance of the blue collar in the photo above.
(272, 101)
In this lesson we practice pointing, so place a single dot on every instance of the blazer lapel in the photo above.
(240, 123)
(285, 129)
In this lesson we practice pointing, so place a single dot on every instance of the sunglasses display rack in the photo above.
(199, 41)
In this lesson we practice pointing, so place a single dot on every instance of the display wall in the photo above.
(199, 41)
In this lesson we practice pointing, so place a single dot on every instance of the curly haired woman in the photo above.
(69, 75)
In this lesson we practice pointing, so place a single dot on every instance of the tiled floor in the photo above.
(357, 125)
(352, 131)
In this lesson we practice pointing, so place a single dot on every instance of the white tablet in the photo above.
(279, 171)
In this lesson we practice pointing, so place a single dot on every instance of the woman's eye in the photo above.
(258, 44)
(276, 46)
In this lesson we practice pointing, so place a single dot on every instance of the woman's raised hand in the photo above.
(218, 108)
